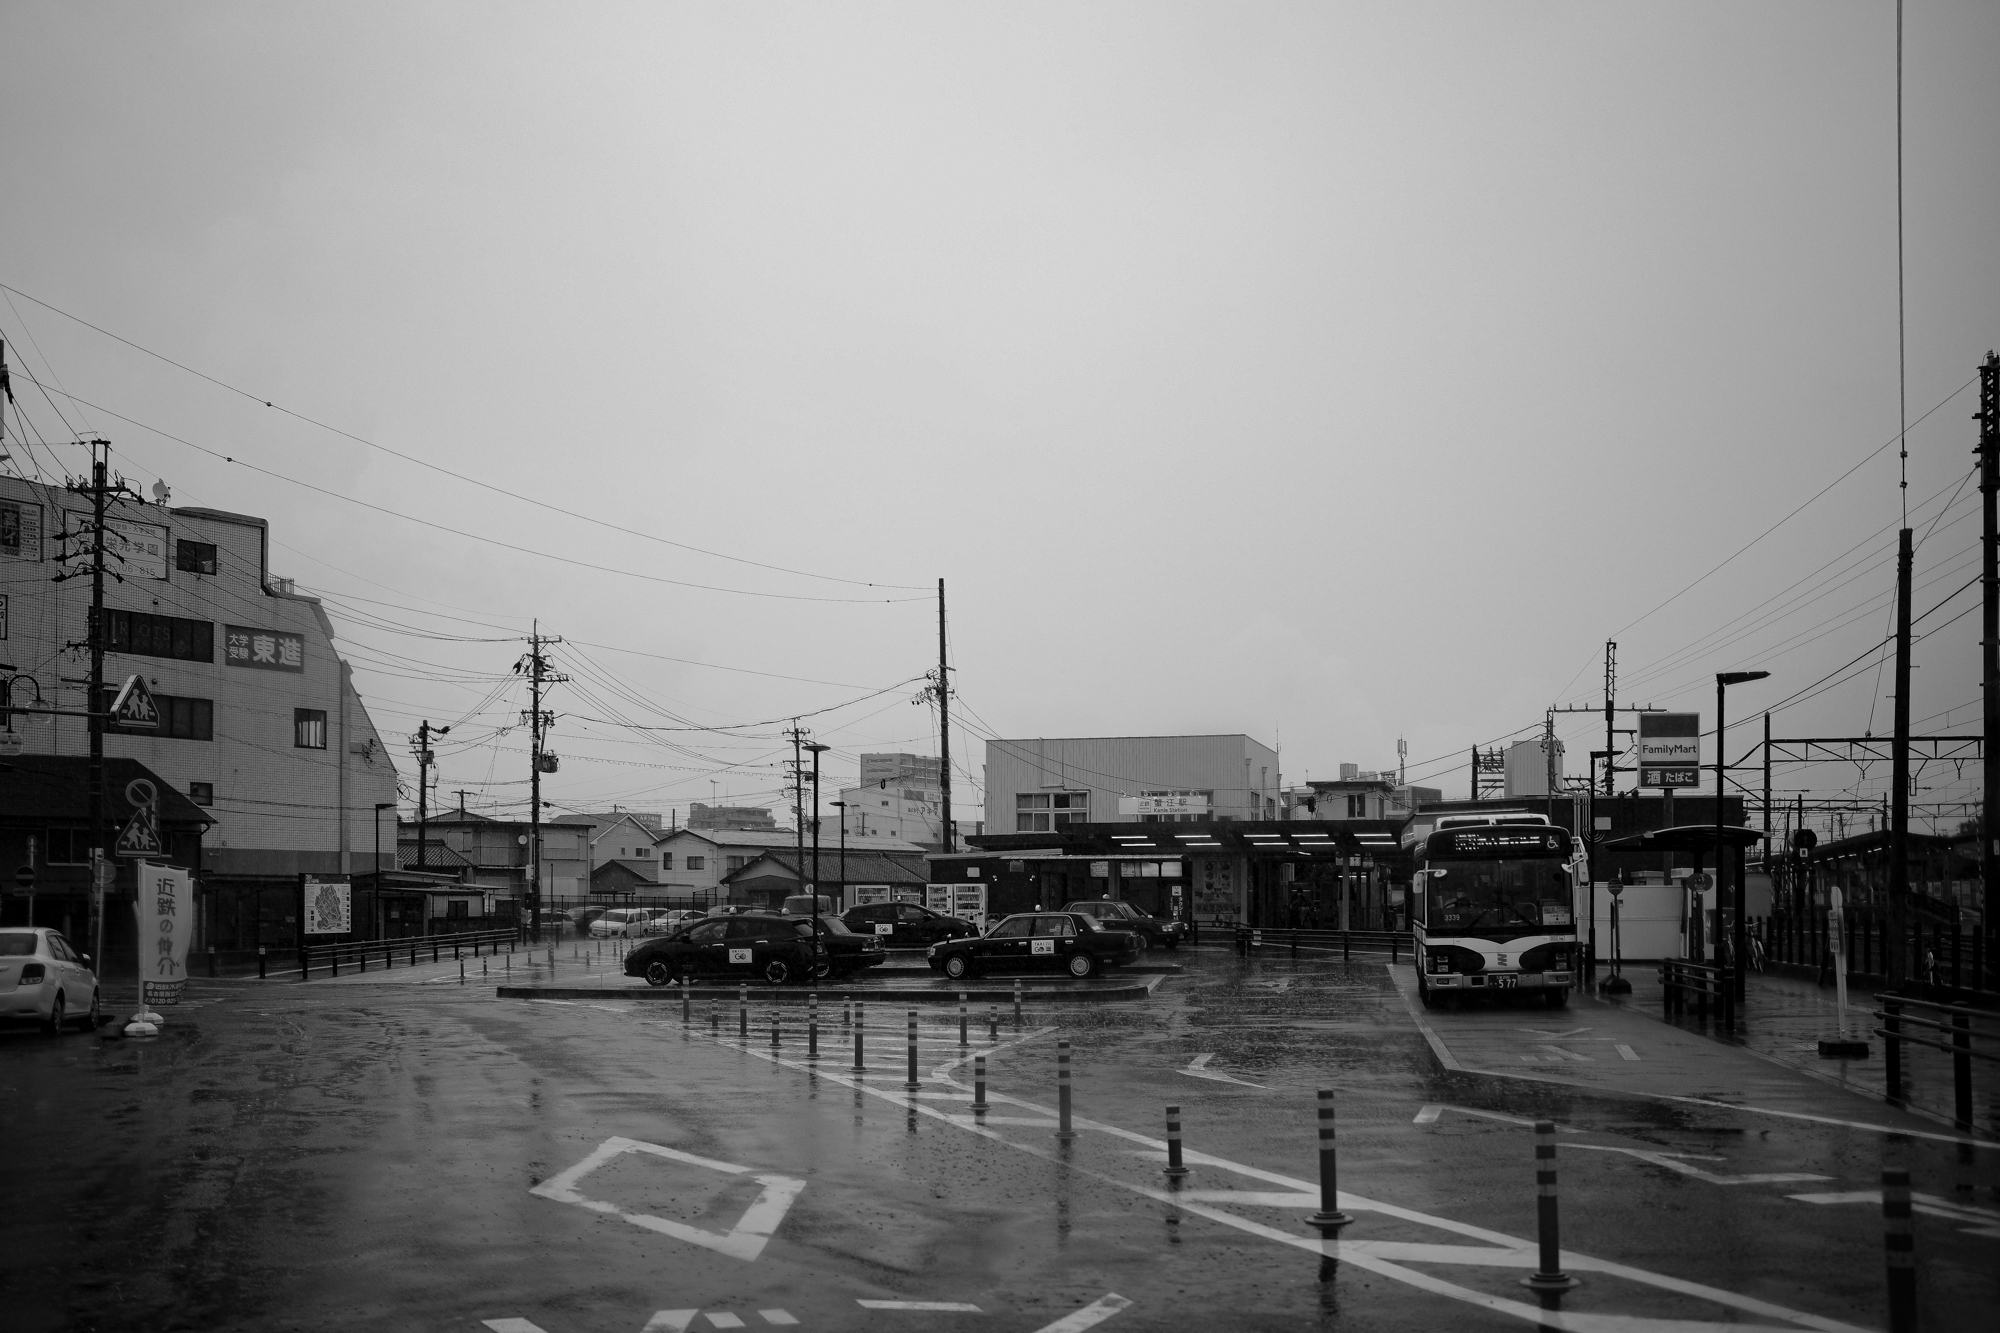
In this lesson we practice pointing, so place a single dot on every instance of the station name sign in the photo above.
(1670, 749)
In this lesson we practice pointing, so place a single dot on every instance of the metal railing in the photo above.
(1702, 983)
(1962, 1032)
(358, 953)
(1250, 939)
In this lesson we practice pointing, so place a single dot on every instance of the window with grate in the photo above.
(309, 728)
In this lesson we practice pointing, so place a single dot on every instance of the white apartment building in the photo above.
(1040, 784)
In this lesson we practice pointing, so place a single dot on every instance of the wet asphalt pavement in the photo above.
(421, 1156)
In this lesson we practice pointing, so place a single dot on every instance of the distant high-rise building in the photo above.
(730, 817)
(900, 770)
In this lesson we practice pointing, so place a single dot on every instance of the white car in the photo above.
(623, 921)
(43, 978)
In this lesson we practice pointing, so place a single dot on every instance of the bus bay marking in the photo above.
(745, 1240)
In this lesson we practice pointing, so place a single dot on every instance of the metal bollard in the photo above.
(261, 974)
(1175, 1168)
(1899, 1243)
(963, 1041)
(774, 1025)
(847, 1011)
(1548, 1277)
(860, 1023)
(1892, 1049)
(687, 1003)
(413, 951)
(510, 963)
(911, 1084)
(1961, 1065)
(482, 967)
(333, 961)
(812, 1026)
(743, 1013)
(993, 1022)
(714, 1022)
(1063, 1130)
(1295, 944)
(979, 1106)
(1329, 1219)
(1017, 1004)
(211, 960)
(461, 971)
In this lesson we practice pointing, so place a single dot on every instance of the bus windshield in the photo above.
(1513, 895)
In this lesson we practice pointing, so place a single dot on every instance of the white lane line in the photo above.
(529, 1326)
(1669, 1160)
(1090, 1316)
(670, 1321)
(1627, 1052)
(1978, 1221)
(949, 1306)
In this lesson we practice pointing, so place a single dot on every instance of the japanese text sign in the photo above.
(263, 649)
(165, 907)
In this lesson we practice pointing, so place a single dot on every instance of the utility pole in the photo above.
(1899, 768)
(798, 795)
(539, 722)
(1610, 713)
(1989, 489)
(424, 760)
(944, 728)
(101, 489)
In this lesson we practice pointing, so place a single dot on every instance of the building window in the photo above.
(1357, 807)
(68, 847)
(142, 634)
(201, 793)
(666, 860)
(455, 910)
(309, 728)
(181, 718)
(1038, 812)
(194, 557)
(735, 862)
(697, 863)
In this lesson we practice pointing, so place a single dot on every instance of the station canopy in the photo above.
(1684, 838)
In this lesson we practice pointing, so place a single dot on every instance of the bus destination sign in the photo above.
(1500, 842)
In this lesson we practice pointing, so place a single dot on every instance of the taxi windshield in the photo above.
(1499, 893)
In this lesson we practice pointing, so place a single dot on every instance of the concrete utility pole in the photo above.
(944, 728)
(424, 760)
(1899, 769)
(1989, 496)
(1610, 714)
(798, 795)
(539, 678)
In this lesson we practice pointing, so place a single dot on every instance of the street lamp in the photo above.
(817, 750)
(842, 807)
(1740, 931)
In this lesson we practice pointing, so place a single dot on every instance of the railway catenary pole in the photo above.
(1989, 497)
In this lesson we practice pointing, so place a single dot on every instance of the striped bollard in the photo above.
(847, 1011)
(461, 971)
(911, 1084)
(963, 1041)
(1899, 1243)
(715, 1023)
(993, 1022)
(1175, 1168)
(687, 1004)
(1548, 1277)
(743, 1013)
(1329, 1219)
(812, 1026)
(774, 1024)
(860, 1025)
(979, 1106)
(1063, 1130)
(1017, 1004)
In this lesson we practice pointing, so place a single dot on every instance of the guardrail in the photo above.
(1251, 938)
(458, 944)
(1962, 1032)
(1703, 982)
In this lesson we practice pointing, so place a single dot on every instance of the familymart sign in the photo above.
(1670, 749)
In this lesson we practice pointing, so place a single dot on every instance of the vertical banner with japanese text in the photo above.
(165, 908)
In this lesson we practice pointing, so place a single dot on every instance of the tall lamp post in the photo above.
(817, 750)
(1740, 929)
(380, 806)
(842, 807)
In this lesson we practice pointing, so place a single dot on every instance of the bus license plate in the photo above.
(1506, 981)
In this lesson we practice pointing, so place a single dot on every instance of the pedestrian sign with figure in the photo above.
(141, 834)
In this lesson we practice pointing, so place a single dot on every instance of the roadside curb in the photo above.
(942, 993)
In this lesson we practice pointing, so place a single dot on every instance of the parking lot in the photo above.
(403, 1150)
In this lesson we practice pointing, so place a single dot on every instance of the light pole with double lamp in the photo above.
(817, 750)
(1739, 930)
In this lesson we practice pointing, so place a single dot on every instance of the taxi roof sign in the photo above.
(134, 706)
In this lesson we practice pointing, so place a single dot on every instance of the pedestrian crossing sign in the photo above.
(134, 706)
(141, 835)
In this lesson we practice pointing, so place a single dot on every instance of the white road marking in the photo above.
(744, 1241)
(1562, 1054)
(670, 1321)
(1540, 1032)
(1982, 1221)
(1428, 1115)
(522, 1326)
(1198, 1068)
(777, 1317)
(954, 1306)
(1501, 1248)
(1090, 1316)
(724, 1319)
(1671, 1162)
(1627, 1051)
(1252, 1198)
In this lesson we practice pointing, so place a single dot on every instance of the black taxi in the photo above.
(1068, 942)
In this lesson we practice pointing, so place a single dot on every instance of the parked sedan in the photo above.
(44, 979)
(775, 948)
(1073, 942)
(906, 925)
(1151, 929)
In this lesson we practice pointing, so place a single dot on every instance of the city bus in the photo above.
(1493, 907)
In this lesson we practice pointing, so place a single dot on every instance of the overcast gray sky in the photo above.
(1331, 373)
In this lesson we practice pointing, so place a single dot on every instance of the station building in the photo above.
(1043, 784)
